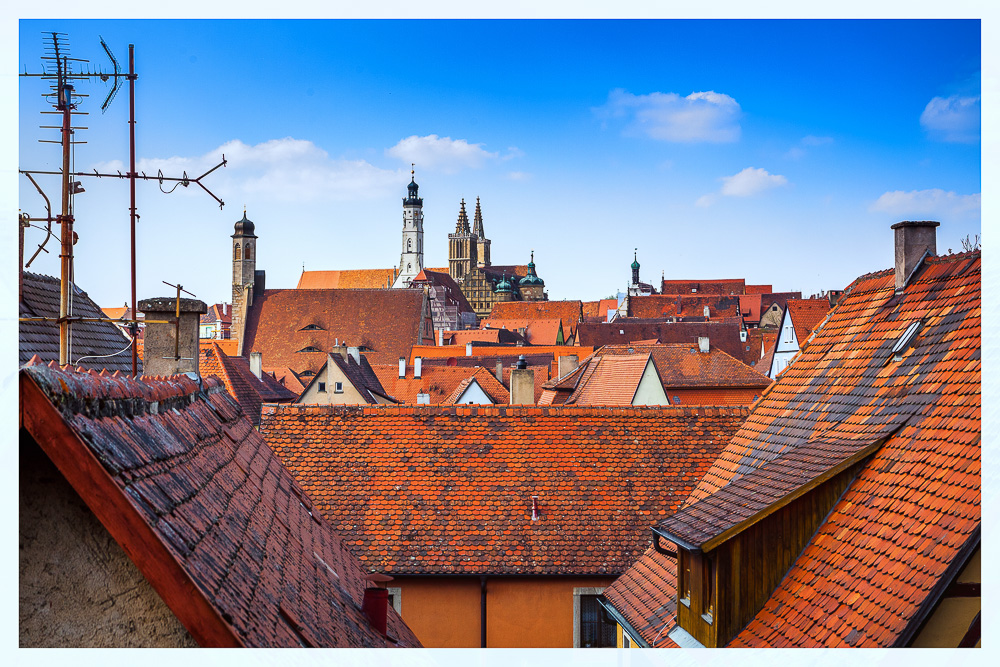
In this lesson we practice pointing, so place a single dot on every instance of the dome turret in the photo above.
(532, 277)
(244, 227)
(503, 287)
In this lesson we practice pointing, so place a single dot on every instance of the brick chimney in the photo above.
(163, 352)
(912, 240)
(522, 384)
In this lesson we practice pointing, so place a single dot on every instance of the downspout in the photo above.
(482, 611)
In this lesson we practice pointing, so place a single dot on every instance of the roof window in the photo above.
(906, 340)
(310, 348)
(312, 327)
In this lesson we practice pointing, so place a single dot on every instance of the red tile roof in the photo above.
(537, 332)
(218, 312)
(758, 289)
(436, 381)
(487, 382)
(875, 565)
(360, 374)
(570, 312)
(684, 366)
(287, 378)
(487, 354)
(349, 279)
(688, 287)
(646, 595)
(806, 314)
(115, 313)
(449, 489)
(660, 306)
(240, 382)
(541, 375)
(609, 380)
(723, 334)
(286, 324)
(221, 530)
(597, 311)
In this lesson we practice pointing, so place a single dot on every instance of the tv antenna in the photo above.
(66, 100)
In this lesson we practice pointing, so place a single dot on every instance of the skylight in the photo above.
(906, 340)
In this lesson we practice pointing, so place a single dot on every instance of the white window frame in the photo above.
(397, 598)
(338, 387)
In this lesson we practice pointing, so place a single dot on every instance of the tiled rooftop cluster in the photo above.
(683, 365)
(248, 390)
(222, 531)
(437, 490)
(909, 411)
(569, 312)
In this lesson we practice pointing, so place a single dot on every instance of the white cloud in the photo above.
(746, 183)
(750, 181)
(953, 119)
(700, 117)
(934, 204)
(445, 153)
(513, 152)
(284, 170)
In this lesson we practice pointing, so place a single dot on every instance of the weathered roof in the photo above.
(723, 334)
(107, 346)
(438, 382)
(218, 527)
(723, 286)
(448, 489)
(646, 597)
(683, 365)
(659, 305)
(597, 311)
(537, 332)
(609, 380)
(347, 279)
(440, 278)
(286, 325)
(914, 425)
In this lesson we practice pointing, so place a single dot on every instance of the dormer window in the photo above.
(310, 348)
(312, 327)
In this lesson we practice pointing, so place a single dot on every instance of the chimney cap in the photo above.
(164, 304)
(915, 223)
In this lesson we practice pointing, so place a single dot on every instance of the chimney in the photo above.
(355, 353)
(468, 349)
(566, 364)
(912, 240)
(440, 337)
(423, 399)
(743, 335)
(703, 343)
(402, 367)
(522, 384)
(164, 351)
(256, 361)
(499, 369)
(707, 312)
(375, 604)
(418, 363)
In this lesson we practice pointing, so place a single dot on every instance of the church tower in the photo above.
(411, 257)
(483, 243)
(462, 248)
(244, 263)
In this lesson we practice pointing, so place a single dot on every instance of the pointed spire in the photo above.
(462, 226)
(477, 226)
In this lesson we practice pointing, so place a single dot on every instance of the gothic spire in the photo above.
(462, 226)
(477, 222)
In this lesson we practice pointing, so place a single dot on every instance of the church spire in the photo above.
(477, 222)
(462, 226)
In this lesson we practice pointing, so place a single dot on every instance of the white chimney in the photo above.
(418, 362)
(707, 312)
(743, 335)
(402, 367)
(423, 399)
(440, 337)
(255, 363)
(566, 364)
(499, 369)
(356, 353)
(468, 349)
(703, 343)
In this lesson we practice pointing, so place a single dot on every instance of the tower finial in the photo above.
(412, 165)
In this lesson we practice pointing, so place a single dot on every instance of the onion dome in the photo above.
(244, 227)
(635, 262)
(503, 287)
(532, 278)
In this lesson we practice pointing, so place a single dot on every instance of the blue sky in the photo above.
(779, 151)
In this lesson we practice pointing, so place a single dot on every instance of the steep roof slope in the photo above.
(684, 366)
(911, 406)
(348, 279)
(103, 341)
(806, 314)
(448, 489)
(249, 391)
(287, 325)
(570, 312)
(438, 382)
(487, 382)
(219, 528)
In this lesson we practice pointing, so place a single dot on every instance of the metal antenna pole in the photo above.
(131, 186)
(65, 92)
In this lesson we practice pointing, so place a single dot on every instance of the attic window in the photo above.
(906, 340)
(310, 348)
(307, 373)
(312, 327)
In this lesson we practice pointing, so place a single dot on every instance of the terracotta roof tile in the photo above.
(240, 382)
(646, 595)
(487, 382)
(283, 323)
(687, 287)
(806, 314)
(223, 532)
(349, 279)
(661, 306)
(447, 489)
(684, 366)
(570, 312)
(723, 334)
(537, 332)
(597, 311)
(438, 382)
(609, 380)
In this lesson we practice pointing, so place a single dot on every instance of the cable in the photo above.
(103, 356)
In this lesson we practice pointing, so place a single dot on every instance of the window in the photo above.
(338, 387)
(248, 253)
(310, 348)
(626, 640)
(409, 245)
(322, 387)
(312, 327)
(236, 251)
(591, 626)
(707, 589)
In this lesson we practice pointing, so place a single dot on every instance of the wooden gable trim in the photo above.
(77, 463)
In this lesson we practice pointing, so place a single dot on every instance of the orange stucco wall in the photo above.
(521, 612)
